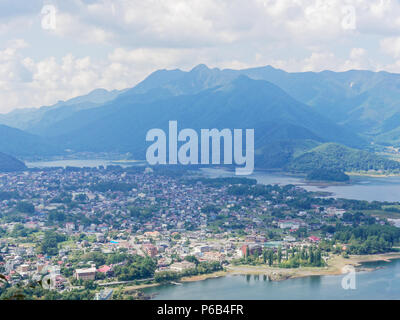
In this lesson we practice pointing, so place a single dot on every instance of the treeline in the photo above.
(135, 267)
(311, 257)
(338, 157)
(262, 190)
(219, 182)
(368, 239)
(334, 175)
(101, 259)
(35, 291)
(294, 257)
(201, 268)
(49, 245)
(142, 213)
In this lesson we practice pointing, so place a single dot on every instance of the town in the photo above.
(104, 233)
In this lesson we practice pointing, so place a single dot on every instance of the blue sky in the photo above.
(53, 50)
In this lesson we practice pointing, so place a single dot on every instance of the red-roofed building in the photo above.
(104, 269)
(314, 239)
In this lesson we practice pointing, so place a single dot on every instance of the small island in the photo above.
(330, 175)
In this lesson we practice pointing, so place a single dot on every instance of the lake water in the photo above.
(360, 188)
(380, 284)
(383, 283)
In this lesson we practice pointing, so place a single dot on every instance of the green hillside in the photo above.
(21, 144)
(10, 164)
(338, 157)
(121, 125)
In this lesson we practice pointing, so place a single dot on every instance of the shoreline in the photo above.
(372, 175)
(334, 267)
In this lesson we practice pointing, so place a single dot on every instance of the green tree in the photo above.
(279, 255)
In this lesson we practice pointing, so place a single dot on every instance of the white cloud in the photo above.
(391, 46)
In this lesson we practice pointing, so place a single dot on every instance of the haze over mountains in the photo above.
(291, 113)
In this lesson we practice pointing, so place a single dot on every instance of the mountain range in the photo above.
(291, 113)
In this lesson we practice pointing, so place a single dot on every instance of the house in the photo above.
(289, 239)
(150, 249)
(314, 239)
(107, 270)
(181, 266)
(87, 274)
(289, 225)
(252, 248)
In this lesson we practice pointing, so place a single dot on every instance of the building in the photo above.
(181, 266)
(100, 237)
(150, 250)
(69, 227)
(107, 270)
(314, 239)
(289, 239)
(86, 274)
(23, 268)
(251, 248)
(294, 225)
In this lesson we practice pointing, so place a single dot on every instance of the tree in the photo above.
(279, 255)
(49, 245)
(25, 207)
(192, 259)
(270, 258)
(311, 256)
(265, 256)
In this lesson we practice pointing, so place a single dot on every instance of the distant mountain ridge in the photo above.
(365, 101)
(291, 113)
(243, 103)
(34, 119)
(22, 144)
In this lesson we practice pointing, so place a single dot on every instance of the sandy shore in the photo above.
(334, 266)
(130, 289)
(373, 175)
(204, 276)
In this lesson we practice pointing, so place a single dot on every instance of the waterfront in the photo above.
(360, 188)
(383, 283)
(323, 284)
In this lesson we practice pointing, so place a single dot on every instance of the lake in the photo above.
(383, 283)
(380, 284)
(360, 188)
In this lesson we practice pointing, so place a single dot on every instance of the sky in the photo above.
(53, 50)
